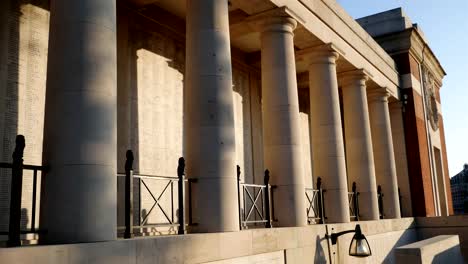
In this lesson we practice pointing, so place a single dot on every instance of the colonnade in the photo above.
(80, 130)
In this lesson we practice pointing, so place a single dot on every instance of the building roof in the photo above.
(388, 25)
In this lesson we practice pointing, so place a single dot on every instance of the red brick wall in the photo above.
(407, 64)
(418, 156)
(414, 67)
(445, 161)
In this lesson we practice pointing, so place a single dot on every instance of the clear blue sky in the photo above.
(445, 26)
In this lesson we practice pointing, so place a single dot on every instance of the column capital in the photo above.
(353, 76)
(395, 105)
(378, 94)
(323, 54)
(280, 20)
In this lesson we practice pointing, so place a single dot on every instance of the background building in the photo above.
(459, 186)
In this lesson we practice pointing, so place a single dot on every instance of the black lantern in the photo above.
(359, 246)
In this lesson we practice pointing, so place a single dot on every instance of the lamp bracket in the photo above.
(334, 236)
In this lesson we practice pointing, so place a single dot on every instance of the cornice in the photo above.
(423, 52)
(411, 41)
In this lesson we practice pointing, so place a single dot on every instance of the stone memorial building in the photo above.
(295, 87)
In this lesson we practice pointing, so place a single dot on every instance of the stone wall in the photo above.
(155, 127)
(277, 245)
(383, 236)
(294, 245)
(445, 166)
(151, 117)
(453, 225)
(24, 26)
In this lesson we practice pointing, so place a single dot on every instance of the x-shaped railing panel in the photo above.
(352, 209)
(254, 204)
(312, 196)
(169, 182)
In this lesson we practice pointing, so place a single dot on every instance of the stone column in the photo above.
(384, 157)
(79, 191)
(280, 103)
(401, 158)
(209, 117)
(326, 132)
(359, 155)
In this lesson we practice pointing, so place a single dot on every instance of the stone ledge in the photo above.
(439, 249)
(201, 248)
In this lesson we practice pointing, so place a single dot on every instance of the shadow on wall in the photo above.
(151, 68)
(320, 256)
(155, 90)
(450, 255)
(453, 225)
(382, 239)
(408, 236)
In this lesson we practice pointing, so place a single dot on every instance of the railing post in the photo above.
(380, 201)
(321, 207)
(399, 200)
(190, 215)
(238, 173)
(129, 195)
(33, 209)
(181, 192)
(355, 201)
(266, 180)
(14, 232)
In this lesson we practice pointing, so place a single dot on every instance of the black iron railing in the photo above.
(380, 202)
(170, 211)
(16, 191)
(254, 202)
(315, 206)
(353, 198)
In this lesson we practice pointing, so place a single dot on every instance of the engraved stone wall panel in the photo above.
(242, 123)
(304, 107)
(257, 129)
(156, 69)
(22, 92)
(156, 121)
